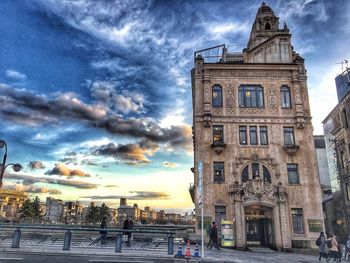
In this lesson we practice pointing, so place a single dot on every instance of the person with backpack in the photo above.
(333, 248)
(213, 235)
(322, 246)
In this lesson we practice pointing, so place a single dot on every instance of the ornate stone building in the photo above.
(252, 131)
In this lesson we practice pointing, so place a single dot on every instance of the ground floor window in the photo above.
(297, 218)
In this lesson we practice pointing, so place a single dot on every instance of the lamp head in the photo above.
(2, 143)
(17, 167)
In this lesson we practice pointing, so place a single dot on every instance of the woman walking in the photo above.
(322, 247)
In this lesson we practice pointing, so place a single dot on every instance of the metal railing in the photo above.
(70, 238)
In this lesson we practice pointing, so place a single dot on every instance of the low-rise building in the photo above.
(11, 202)
(54, 210)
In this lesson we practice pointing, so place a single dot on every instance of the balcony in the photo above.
(191, 190)
(218, 147)
(291, 149)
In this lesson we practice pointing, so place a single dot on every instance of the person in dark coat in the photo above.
(103, 232)
(213, 235)
(322, 246)
(128, 225)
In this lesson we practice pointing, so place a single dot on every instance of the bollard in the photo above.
(118, 243)
(170, 245)
(67, 239)
(16, 238)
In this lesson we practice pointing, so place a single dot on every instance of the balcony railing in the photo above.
(291, 149)
(218, 147)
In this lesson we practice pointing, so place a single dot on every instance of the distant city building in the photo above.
(124, 211)
(342, 82)
(54, 210)
(11, 202)
(73, 213)
(252, 132)
(336, 128)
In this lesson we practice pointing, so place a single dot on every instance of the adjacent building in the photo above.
(337, 136)
(11, 202)
(253, 140)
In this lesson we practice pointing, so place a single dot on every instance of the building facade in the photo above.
(11, 202)
(336, 128)
(54, 210)
(252, 132)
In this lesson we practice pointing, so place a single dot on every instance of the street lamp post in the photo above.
(15, 166)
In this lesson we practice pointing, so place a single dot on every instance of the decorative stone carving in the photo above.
(258, 190)
(217, 111)
(272, 99)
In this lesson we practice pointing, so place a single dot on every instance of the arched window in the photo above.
(250, 96)
(285, 97)
(267, 26)
(255, 170)
(245, 174)
(217, 96)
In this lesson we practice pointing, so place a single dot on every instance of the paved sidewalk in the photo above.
(222, 256)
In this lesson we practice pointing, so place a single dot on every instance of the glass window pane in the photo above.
(242, 135)
(255, 170)
(253, 135)
(293, 176)
(241, 97)
(288, 136)
(285, 97)
(219, 172)
(260, 98)
(266, 173)
(250, 96)
(245, 174)
(263, 135)
(218, 134)
(217, 96)
(297, 218)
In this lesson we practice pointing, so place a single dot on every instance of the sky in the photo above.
(95, 95)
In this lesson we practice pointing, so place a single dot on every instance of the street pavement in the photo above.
(80, 256)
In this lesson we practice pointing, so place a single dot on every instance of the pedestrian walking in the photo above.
(103, 232)
(321, 242)
(333, 248)
(128, 225)
(347, 247)
(213, 235)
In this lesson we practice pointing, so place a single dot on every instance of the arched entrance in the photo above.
(259, 226)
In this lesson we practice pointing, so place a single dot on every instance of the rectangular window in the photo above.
(285, 97)
(288, 135)
(251, 96)
(220, 213)
(293, 175)
(218, 134)
(345, 119)
(243, 135)
(297, 218)
(253, 136)
(217, 96)
(263, 135)
(219, 172)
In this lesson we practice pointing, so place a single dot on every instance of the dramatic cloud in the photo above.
(132, 153)
(32, 189)
(36, 165)
(137, 195)
(29, 180)
(62, 169)
(12, 74)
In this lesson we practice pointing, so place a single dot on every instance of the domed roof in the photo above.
(264, 8)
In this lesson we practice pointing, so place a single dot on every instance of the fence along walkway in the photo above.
(77, 238)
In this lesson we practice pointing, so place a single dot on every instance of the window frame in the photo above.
(289, 173)
(298, 218)
(286, 99)
(217, 101)
(264, 131)
(253, 130)
(243, 130)
(286, 132)
(217, 132)
(216, 179)
(257, 91)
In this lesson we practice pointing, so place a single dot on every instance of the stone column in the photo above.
(239, 216)
(282, 199)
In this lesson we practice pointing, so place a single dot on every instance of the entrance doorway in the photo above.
(259, 229)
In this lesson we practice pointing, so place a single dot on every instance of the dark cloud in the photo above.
(62, 169)
(29, 180)
(132, 153)
(36, 165)
(69, 106)
(136, 195)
